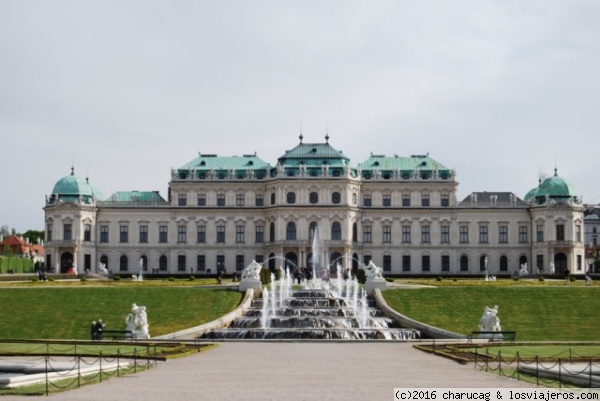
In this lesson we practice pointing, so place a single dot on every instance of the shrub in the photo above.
(389, 280)
(171, 279)
(84, 279)
(116, 278)
(515, 279)
(265, 276)
(361, 277)
(438, 278)
(192, 278)
(573, 278)
(541, 279)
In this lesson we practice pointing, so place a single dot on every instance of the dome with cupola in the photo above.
(72, 188)
(552, 189)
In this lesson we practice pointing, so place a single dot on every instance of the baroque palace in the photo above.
(400, 212)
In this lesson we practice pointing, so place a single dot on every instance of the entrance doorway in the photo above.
(66, 262)
(560, 263)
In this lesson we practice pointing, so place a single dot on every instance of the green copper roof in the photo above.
(209, 162)
(136, 196)
(553, 187)
(73, 186)
(406, 166)
(313, 154)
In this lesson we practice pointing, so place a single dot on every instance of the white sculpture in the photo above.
(490, 321)
(102, 269)
(373, 272)
(252, 271)
(524, 270)
(137, 322)
(551, 267)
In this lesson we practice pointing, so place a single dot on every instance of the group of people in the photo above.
(96, 330)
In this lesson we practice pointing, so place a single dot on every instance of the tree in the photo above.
(33, 236)
(5, 231)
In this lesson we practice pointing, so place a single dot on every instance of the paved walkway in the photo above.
(290, 371)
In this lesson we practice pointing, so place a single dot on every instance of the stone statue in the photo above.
(551, 267)
(524, 270)
(373, 272)
(137, 322)
(489, 321)
(102, 269)
(252, 271)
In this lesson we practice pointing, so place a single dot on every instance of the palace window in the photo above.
(336, 231)
(240, 236)
(445, 234)
(290, 232)
(260, 234)
(523, 234)
(406, 234)
(503, 234)
(104, 234)
(201, 234)
(221, 234)
(123, 234)
(313, 197)
(387, 234)
(425, 234)
(464, 234)
(163, 232)
(367, 236)
(181, 234)
(336, 198)
(143, 234)
(425, 263)
(67, 232)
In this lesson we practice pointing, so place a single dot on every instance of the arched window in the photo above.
(144, 263)
(336, 231)
(272, 198)
(290, 231)
(104, 261)
(312, 229)
(162, 263)
(354, 233)
(336, 198)
(464, 263)
(123, 262)
(313, 197)
(291, 197)
(272, 232)
(503, 263)
(482, 263)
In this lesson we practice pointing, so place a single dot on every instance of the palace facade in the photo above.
(400, 212)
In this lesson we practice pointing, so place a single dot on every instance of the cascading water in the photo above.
(337, 312)
(321, 309)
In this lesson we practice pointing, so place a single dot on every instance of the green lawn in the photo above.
(536, 313)
(66, 312)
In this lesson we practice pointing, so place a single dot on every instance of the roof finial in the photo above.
(555, 172)
(326, 132)
(301, 137)
(72, 170)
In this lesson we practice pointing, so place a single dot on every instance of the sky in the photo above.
(504, 92)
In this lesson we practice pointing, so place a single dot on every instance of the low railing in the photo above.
(564, 372)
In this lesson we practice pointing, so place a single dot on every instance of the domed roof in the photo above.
(554, 187)
(72, 186)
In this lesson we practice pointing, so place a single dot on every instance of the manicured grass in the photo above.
(66, 312)
(536, 313)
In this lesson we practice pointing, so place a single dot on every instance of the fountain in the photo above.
(319, 308)
(335, 312)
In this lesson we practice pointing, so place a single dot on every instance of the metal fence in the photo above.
(570, 371)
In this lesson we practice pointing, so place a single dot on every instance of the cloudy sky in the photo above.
(502, 91)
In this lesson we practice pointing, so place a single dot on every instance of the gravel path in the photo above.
(290, 371)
